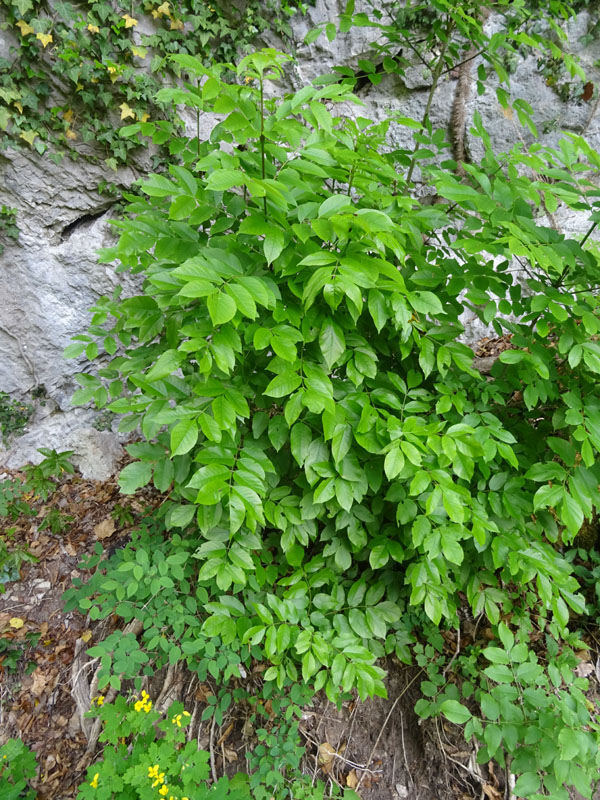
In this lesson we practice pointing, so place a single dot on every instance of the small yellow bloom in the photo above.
(163, 790)
(159, 779)
(93, 29)
(94, 783)
(186, 714)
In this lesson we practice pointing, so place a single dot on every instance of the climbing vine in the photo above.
(77, 73)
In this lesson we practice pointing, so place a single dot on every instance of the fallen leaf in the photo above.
(16, 623)
(584, 669)
(508, 112)
(140, 52)
(18, 106)
(93, 29)
(68, 115)
(40, 681)
(145, 117)
(203, 692)
(176, 25)
(86, 636)
(230, 755)
(129, 21)
(588, 92)
(70, 134)
(164, 9)
(45, 38)
(490, 792)
(326, 756)
(126, 111)
(106, 528)
(352, 779)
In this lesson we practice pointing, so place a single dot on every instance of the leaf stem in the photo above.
(262, 137)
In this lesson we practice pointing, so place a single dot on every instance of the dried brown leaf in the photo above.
(104, 529)
(490, 792)
(326, 756)
(352, 779)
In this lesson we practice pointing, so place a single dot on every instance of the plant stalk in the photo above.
(436, 77)
(262, 138)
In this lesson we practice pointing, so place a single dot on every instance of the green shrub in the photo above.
(340, 471)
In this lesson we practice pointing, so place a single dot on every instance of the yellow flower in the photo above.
(159, 779)
(186, 714)
(163, 790)
(94, 783)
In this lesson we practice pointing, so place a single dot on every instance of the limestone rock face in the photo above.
(96, 454)
(51, 277)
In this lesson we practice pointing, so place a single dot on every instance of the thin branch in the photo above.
(434, 83)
